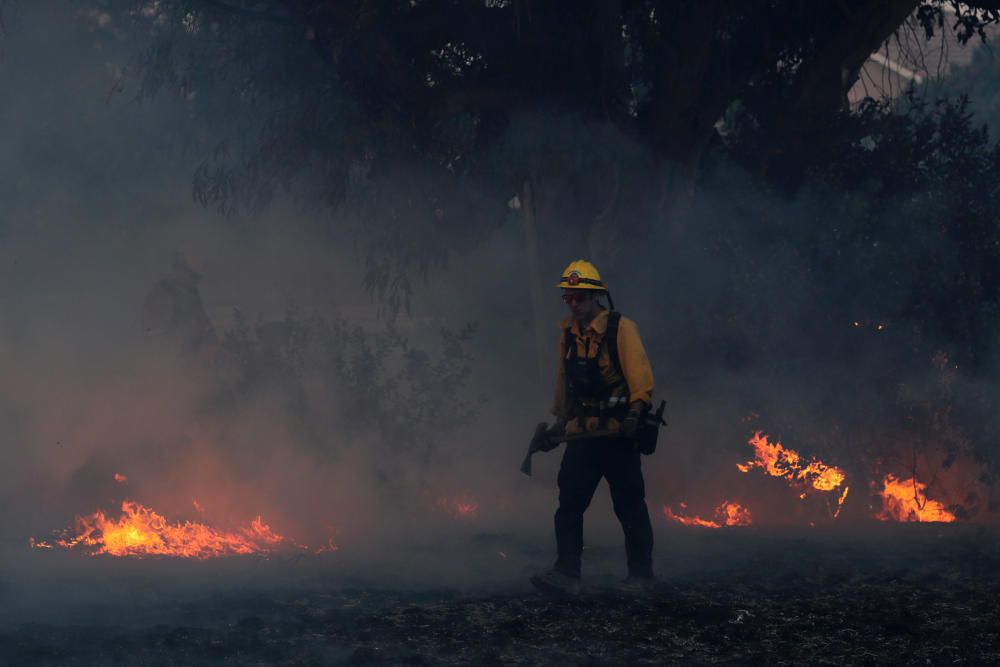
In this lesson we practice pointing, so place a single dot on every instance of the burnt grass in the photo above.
(915, 598)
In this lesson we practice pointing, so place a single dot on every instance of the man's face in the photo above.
(581, 302)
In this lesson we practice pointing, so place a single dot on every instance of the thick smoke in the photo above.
(236, 363)
(239, 362)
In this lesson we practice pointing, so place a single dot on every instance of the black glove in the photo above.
(555, 434)
(630, 426)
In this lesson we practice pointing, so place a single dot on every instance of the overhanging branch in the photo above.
(255, 14)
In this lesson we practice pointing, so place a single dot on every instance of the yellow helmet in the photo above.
(581, 274)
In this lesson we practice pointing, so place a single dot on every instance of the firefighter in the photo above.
(604, 386)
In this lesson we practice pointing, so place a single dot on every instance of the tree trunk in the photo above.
(539, 323)
(822, 82)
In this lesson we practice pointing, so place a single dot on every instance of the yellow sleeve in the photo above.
(635, 363)
(560, 408)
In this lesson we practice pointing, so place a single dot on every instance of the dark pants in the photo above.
(583, 465)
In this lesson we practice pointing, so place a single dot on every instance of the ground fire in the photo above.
(776, 460)
(903, 500)
(459, 507)
(726, 514)
(140, 531)
(906, 500)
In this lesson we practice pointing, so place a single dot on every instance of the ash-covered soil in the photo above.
(907, 595)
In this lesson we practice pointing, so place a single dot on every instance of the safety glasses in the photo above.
(571, 297)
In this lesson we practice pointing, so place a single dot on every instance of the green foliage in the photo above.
(927, 238)
(416, 121)
(980, 82)
(895, 224)
(876, 285)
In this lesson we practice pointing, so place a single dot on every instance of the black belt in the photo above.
(597, 411)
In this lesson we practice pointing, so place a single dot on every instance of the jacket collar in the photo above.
(598, 325)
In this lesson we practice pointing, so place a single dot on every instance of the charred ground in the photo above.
(916, 594)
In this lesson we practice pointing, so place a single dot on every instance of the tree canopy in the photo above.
(423, 118)
(366, 84)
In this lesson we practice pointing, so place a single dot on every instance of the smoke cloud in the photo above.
(238, 362)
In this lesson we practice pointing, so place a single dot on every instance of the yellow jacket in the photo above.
(632, 355)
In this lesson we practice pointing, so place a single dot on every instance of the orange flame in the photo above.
(906, 500)
(689, 520)
(734, 514)
(840, 501)
(726, 514)
(460, 507)
(140, 531)
(778, 461)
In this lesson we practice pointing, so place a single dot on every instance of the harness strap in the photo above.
(570, 344)
(610, 339)
(611, 336)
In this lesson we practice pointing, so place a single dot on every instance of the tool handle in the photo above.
(534, 446)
